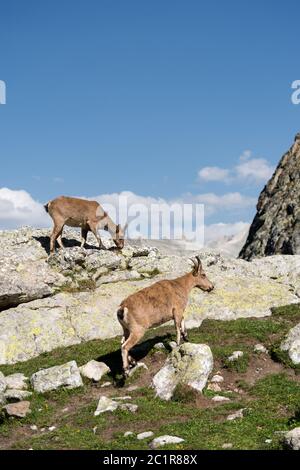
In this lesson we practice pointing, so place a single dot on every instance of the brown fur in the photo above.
(88, 215)
(161, 302)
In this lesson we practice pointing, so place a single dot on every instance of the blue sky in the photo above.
(108, 96)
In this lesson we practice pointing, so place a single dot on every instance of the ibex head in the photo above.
(201, 280)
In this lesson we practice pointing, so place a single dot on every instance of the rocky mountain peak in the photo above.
(276, 226)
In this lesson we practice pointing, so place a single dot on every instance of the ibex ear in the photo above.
(118, 227)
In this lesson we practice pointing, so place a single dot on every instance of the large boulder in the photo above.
(292, 344)
(189, 364)
(66, 375)
(84, 287)
(292, 439)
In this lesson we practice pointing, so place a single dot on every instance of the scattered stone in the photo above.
(51, 428)
(292, 439)
(18, 410)
(43, 429)
(214, 387)
(95, 429)
(227, 445)
(105, 404)
(159, 346)
(16, 381)
(163, 440)
(128, 397)
(217, 379)
(268, 441)
(106, 384)
(2, 383)
(237, 415)
(138, 366)
(128, 433)
(173, 344)
(235, 355)
(94, 370)
(66, 375)
(144, 435)
(220, 398)
(16, 394)
(260, 348)
(129, 407)
(33, 427)
(64, 410)
(292, 344)
(189, 364)
(132, 388)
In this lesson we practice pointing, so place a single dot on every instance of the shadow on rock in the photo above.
(114, 360)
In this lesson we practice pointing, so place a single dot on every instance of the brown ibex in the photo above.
(89, 215)
(157, 304)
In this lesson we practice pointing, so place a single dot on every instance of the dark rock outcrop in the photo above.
(276, 225)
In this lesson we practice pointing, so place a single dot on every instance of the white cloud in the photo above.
(251, 170)
(213, 173)
(214, 203)
(257, 170)
(18, 208)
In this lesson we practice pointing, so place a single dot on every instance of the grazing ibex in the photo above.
(89, 215)
(157, 304)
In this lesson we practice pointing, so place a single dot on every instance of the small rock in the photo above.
(129, 407)
(105, 404)
(128, 433)
(132, 388)
(292, 439)
(237, 415)
(33, 427)
(268, 441)
(66, 375)
(94, 370)
(43, 429)
(235, 355)
(138, 366)
(213, 387)
(17, 394)
(163, 440)
(2, 383)
(64, 410)
(105, 384)
(16, 381)
(219, 398)
(18, 410)
(291, 344)
(217, 379)
(122, 398)
(159, 346)
(51, 428)
(260, 348)
(227, 445)
(173, 344)
(144, 435)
